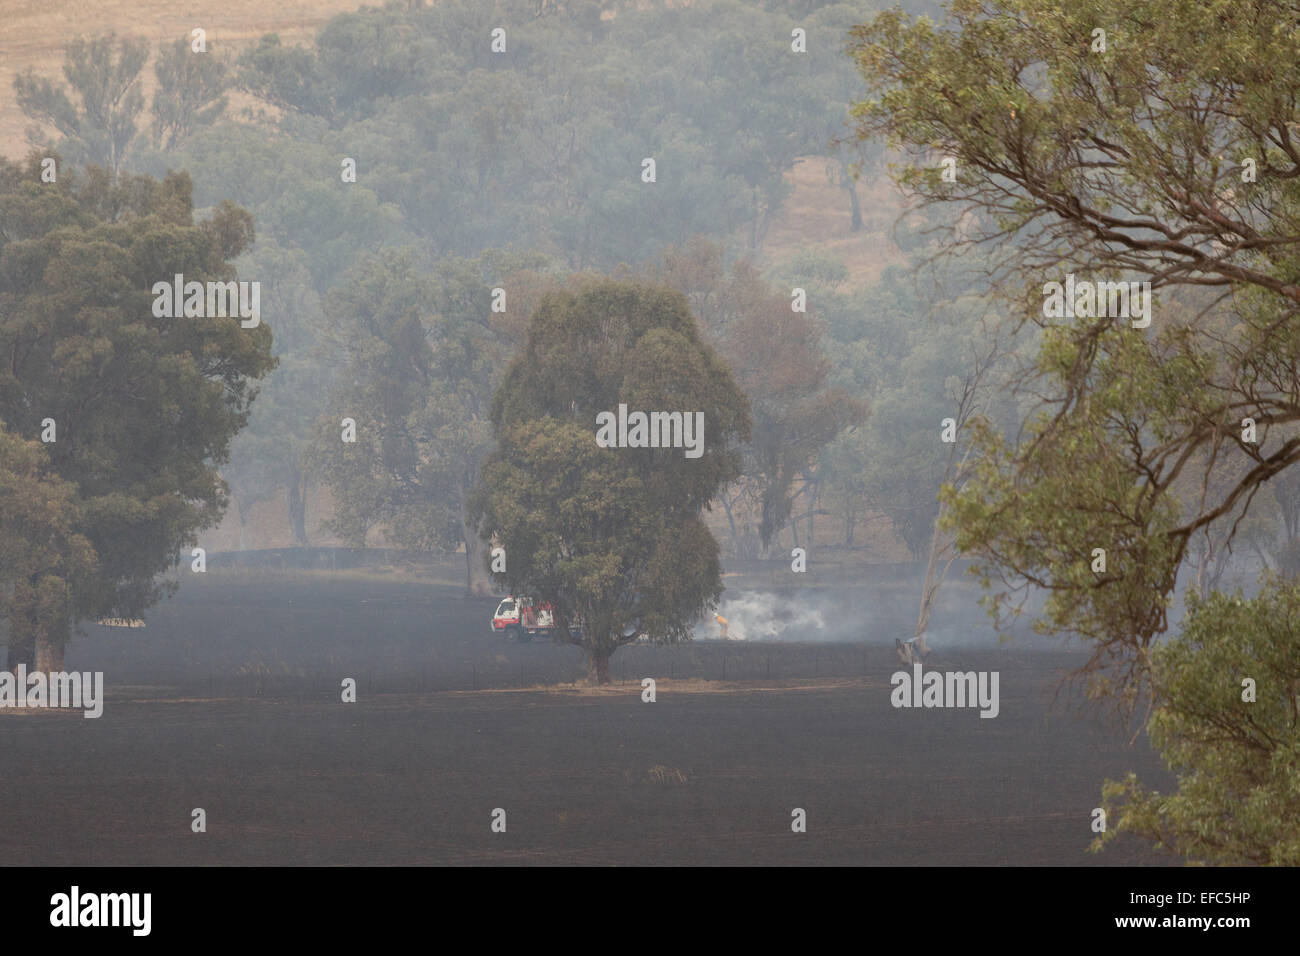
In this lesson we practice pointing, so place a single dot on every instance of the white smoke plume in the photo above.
(853, 615)
(765, 616)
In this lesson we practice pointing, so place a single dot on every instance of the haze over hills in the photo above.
(33, 33)
(814, 216)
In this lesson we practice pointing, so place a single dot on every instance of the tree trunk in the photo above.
(49, 654)
(1201, 561)
(22, 650)
(478, 582)
(933, 581)
(296, 501)
(598, 666)
(856, 223)
(731, 521)
(812, 514)
(242, 508)
(37, 649)
(933, 574)
(764, 225)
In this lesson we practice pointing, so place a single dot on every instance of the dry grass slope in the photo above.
(34, 32)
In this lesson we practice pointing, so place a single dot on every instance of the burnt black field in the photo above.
(229, 700)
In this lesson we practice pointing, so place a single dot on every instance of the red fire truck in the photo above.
(521, 619)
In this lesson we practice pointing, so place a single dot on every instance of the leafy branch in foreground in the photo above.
(1228, 725)
(1167, 157)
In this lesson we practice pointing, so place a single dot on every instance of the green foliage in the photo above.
(1036, 510)
(294, 189)
(421, 355)
(779, 360)
(460, 151)
(919, 348)
(268, 454)
(1122, 164)
(191, 91)
(542, 146)
(382, 479)
(612, 537)
(145, 407)
(286, 77)
(812, 269)
(44, 561)
(1237, 762)
(103, 76)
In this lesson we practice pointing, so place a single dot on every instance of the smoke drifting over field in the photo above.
(767, 616)
(841, 615)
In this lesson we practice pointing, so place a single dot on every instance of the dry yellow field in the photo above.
(34, 32)
(817, 215)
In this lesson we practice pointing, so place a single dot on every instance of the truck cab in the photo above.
(506, 617)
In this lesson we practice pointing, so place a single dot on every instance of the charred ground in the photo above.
(229, 700)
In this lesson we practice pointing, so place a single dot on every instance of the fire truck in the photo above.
(521, 619)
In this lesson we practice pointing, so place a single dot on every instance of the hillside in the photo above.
(34, 32)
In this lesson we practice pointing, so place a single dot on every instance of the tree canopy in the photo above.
(612, 537)
(1162, 152)
(136, 412)
(1228, 688)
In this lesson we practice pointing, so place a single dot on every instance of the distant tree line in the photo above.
(477, 170)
